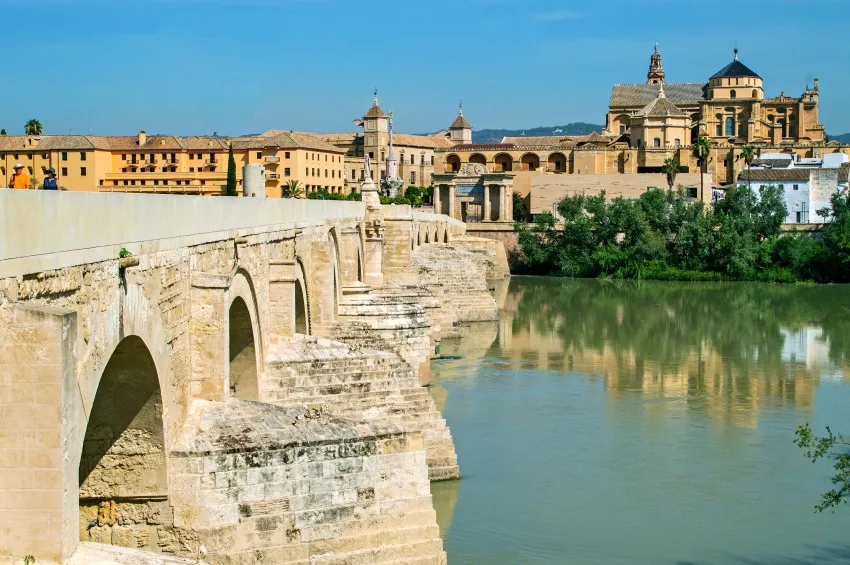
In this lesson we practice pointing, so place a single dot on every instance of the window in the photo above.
(730, 126)
(287, 172)
(326, 158)
(44, 155)
(115, 183)
(732, 94)
(64, 156)
(718, 130)
(307, 171)
(677, 142)
(165, 156)
(796, 187)
(326, 173)
(286, 154)
(82, 171)
(333, 174)
(792, 131)
(741, 130)
(799, 217)
(383, 156)
(212, 157)
(412, 159)
(353, 174)
(432, 160)
(412, 177)
(124, 169)
(191, 169)
(622, 128)
(156, 183)
(656, 142)
(312, 172)
(123, 156)
(173, 157)
(126, 183)
(259, 154)
(371, 154)
(192, 156)
(82, 156)
(143, 183)
(422, 159)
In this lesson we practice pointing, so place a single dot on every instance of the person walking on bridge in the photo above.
(52, 181)
(20, 179)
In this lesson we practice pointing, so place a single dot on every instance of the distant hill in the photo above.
(496, 135)
(843, 138)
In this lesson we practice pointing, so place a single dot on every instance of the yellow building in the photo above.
(171, 164)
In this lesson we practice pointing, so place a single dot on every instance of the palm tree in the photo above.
(33, 127)
(748, 152)
(292, 189)
(701, 150)
(671, 169)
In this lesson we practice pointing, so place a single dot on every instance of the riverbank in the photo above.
(665, 236)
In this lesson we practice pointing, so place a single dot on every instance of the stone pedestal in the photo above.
(374, 248)
(208, 337)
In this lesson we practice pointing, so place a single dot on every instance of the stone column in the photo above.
(436, 199)
(209, 337)
(452, 200)
(374, 248)
(502, 191)
(281, 299)
(43, 424)
(486, 217)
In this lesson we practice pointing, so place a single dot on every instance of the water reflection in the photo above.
(726, 347)
(629, 422)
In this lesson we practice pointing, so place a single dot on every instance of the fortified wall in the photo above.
(229, 377)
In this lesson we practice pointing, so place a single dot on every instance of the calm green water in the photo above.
(647, 423)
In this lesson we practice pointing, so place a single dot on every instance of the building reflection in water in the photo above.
(726, 348)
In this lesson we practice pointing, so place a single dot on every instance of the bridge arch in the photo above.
(337, 278)
(361, 259)
(122, 462)
(245, 340)
(302, 302)
(427, 235)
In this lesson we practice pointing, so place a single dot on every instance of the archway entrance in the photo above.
(452, 164)
(122, 465)
(557, 163)
(478, 158)
(530, 162)
(504, 163)
(243, 356)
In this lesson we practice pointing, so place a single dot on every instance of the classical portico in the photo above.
(474, 194)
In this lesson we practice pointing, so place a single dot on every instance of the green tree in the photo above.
(292, 189)
(748, 152)
(670, 170)
(519, 207)
(701, 149)
(231, 173)
(834, 446)
(33, 127)
(3, 131)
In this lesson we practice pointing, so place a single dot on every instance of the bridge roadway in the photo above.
(170, 377)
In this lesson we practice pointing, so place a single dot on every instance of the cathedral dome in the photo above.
(735, 69)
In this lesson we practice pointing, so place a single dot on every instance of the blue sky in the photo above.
(244, 66)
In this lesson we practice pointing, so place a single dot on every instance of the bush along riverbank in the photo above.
(665, 236)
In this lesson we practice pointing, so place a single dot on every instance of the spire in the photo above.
(460, 121)
(661, 91)
(736, 53)
(656, 69)
(375, 101)
(375, 111)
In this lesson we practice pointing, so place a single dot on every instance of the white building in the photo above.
(807, 183)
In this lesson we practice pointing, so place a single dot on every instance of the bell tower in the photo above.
(656, 70)
(461, 130)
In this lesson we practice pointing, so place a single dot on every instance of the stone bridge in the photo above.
(227, 376)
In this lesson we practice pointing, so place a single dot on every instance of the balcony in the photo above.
(273, 176)
(272, 160)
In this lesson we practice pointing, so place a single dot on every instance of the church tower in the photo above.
(461, 130)
(656, 70)
(376, 137)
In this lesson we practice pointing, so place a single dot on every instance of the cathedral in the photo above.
(729, 108)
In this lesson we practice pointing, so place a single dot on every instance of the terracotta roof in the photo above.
(735, 69)
(205, 143)
(767, 175)
(287, 140)
(660, 107)
(46, 142)
(460, 121)
(775, 163)
(375, 111)
(483, 147)
(639, 95)
(425, 141)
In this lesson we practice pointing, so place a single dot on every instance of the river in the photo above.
(644, 422)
